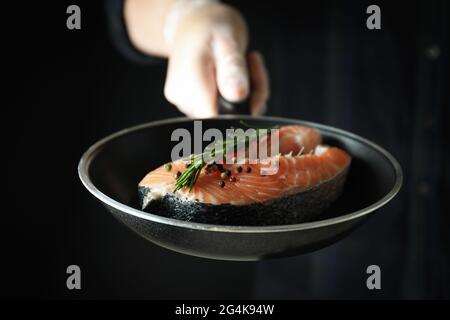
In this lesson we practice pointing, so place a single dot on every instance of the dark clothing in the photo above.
(390, 86)
(119, 36)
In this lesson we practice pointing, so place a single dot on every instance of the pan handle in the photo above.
(227, 107)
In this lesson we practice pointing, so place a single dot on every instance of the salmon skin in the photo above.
(310, 177)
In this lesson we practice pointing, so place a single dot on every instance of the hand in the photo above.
(207, 55)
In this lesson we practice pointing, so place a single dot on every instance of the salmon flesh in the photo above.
(310, 177)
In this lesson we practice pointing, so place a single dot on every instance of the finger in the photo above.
(231, 66)
(190, 84)
(260, 83)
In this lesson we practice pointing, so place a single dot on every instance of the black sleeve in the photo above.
(119, 34)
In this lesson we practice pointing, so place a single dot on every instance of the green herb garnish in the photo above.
(189, 177)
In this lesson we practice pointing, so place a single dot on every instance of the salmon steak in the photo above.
(309, 177)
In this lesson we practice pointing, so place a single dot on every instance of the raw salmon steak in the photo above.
(309, 178)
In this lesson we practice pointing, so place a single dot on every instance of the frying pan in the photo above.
(112, 168)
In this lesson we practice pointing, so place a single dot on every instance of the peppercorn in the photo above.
(178, 174)
(225, 174)
(239, 169)
(248, 169)
(232, 179)
(168, 166)
(222, 183)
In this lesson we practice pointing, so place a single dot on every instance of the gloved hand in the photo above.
(206, 43)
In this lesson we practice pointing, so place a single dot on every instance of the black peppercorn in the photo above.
(225, 174)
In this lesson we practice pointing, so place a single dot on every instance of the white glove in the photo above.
(207, 43)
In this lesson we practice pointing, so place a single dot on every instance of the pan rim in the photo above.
(90, 153)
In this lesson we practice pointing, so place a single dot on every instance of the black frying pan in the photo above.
(112, 168)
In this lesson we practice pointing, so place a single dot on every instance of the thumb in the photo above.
(231, 67)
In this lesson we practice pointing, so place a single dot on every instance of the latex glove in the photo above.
(207, 54)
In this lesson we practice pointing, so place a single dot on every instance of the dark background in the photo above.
(66, 89)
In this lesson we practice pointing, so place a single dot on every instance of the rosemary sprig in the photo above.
(189, 177)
